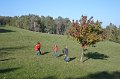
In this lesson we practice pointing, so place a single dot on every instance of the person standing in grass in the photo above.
(65, 52)
(55, 49)
(37, 48)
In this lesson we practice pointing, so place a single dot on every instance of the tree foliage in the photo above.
(86, 32)
(112, 33)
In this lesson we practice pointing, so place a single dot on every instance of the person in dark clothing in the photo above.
(65, 52)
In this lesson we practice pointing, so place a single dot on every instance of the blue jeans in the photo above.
(66, 58)
(38, 52)
(55, 54)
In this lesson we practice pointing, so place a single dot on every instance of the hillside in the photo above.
(17, 57)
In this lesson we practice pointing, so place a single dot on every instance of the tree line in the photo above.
(37, 23)
(47, 24)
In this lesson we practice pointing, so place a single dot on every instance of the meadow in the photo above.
(17, 57)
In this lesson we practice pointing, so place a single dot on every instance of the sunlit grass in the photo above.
(17, 56)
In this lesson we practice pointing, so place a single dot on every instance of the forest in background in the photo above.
(48, 24)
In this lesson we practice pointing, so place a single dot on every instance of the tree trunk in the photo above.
(81, 60)
(35, 27)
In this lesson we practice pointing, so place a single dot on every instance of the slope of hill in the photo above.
(17, 57)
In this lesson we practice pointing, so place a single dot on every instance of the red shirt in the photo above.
(55, 48)
(37, 46)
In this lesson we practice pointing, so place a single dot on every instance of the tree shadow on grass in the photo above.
(7, 50)
(12, 48)
(95, 55)
(4, 52)
(100, 75)
(9, 70)
(50, 77)
(5, 30)
(7, 59)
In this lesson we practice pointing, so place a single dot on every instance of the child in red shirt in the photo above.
(55, 49)
(37, 48)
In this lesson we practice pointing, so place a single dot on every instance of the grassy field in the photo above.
(17, 57)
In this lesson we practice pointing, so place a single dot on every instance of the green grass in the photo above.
(17, 57)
